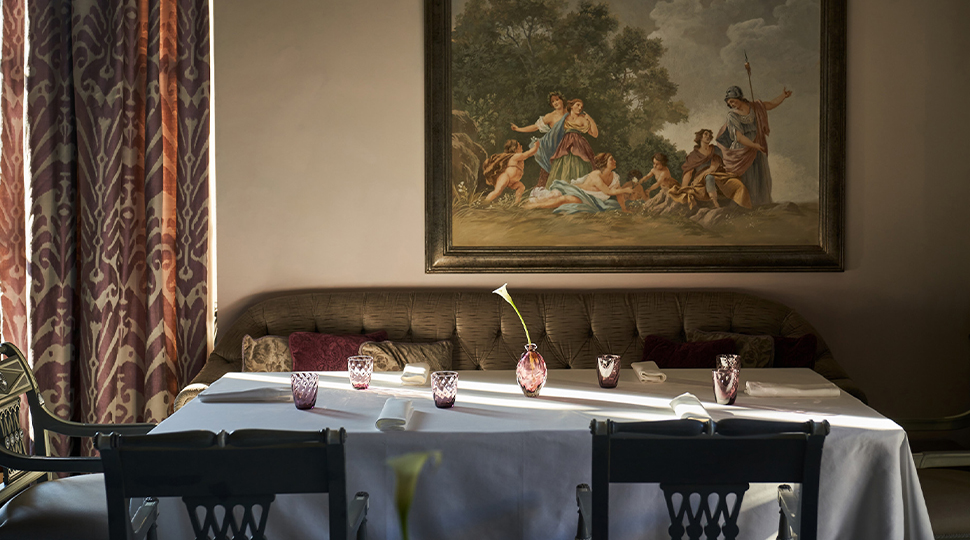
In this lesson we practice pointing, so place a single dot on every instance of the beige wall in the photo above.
(320, 160)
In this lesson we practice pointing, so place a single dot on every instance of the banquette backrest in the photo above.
(570, 329)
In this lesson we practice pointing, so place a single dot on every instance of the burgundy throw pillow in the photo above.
(795, 352)
(327, 352)
(698, 354)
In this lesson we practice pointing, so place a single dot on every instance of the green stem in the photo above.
(521, 320)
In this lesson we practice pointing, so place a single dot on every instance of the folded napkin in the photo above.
(648, 372)
(764, 389)
(253, 395)
(395, 415)
(687, 405)
(416, 374)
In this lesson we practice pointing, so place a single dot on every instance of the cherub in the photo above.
(505, 170)
(660, 173)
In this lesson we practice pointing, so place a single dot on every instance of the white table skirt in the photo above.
(511, 464)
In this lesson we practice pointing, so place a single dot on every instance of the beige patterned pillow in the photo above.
(393, 356)
(755, 351)
(268, 353)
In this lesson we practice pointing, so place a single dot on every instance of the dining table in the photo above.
(510, 464)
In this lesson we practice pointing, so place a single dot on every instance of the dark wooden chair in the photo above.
(685, 458)
(207, 470)
(35, 505)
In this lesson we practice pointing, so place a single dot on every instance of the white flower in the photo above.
(406, 471)
(504, 293)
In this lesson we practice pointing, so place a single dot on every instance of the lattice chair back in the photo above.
(16, 382)
(207, 470)
(704, 476)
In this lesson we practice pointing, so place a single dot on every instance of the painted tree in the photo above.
(507, 55)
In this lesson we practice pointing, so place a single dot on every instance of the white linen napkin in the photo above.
(395, 415)
(764, 389)
(648, 372)
(269, 394)
(416, 374)
(687, 405)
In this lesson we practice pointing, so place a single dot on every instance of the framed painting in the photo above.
(635, 135)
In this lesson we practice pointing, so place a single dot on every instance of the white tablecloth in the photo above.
(511, 464)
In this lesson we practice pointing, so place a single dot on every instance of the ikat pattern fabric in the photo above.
(111, 277)
(13, 255)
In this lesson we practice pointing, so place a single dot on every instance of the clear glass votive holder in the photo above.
(728, 361)
(444, 388)
(304, 386)
(360, 368)
(608, 370)
(726, 385)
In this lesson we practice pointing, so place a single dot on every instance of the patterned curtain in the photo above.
(117, 131)
(13, 255)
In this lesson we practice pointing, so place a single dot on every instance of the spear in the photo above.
(747, 67)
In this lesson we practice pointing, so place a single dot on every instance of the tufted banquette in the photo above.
(570, 328)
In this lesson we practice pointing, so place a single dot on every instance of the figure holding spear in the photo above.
(747, 67)
(744, 139)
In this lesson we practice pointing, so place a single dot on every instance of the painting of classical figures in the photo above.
(635, 135)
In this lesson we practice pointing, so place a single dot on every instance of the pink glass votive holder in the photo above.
(608, 370)
(728, 361)
(360, 368)
(304, 386)
(726, 385)
(444, 388)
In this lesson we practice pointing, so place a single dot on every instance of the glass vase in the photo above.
(531, 371)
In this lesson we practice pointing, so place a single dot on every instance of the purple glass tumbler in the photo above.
(728, 361)
(360, 369)
(726, 385)
(444, 387)
(608, 370)
(304, 386)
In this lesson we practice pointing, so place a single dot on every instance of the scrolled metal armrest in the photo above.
(50, 464)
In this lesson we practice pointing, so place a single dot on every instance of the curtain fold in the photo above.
(13, 254)
(117, 131)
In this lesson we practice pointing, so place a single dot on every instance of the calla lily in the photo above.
(407, 467)
(504, 293)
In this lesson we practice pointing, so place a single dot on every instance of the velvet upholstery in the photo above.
(316, 351)
(570, 328)
(670, 355)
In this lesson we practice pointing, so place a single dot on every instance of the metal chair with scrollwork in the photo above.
(35, 506)
(714, 469)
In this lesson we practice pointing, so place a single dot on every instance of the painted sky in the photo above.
(706, 41)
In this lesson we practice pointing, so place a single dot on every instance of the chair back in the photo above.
(212, 470)
(715, 468)
(17, 385)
